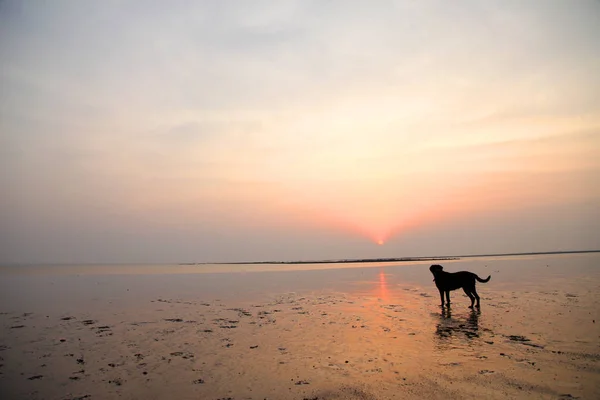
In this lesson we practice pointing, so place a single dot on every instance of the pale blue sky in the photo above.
(226, 131)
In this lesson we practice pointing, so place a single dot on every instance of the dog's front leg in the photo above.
(448, 297)
(442, 296)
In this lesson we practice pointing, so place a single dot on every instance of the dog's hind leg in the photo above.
(476, 296)
(469, 292)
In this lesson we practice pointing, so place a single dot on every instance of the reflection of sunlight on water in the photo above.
(383, 287)
(391, 306)
(377, 289)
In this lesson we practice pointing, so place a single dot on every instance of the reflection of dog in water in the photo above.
(447, 281)
(467, 325)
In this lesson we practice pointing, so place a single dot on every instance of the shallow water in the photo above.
(57, 287)
(363, 332)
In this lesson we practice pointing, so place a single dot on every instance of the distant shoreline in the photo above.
(350, 261)
(398, 259)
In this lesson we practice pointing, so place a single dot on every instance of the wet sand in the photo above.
(360, 333)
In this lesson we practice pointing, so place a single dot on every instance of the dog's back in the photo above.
(454, 280)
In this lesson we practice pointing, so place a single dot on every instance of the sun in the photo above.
(380, 242)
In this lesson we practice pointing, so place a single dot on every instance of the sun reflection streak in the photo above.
(383, 287)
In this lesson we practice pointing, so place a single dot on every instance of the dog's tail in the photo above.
(483, 280)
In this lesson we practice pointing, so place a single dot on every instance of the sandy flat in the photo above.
(380, 338)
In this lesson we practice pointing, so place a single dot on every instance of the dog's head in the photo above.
(436, 268)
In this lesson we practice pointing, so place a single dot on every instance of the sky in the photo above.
(217, 131)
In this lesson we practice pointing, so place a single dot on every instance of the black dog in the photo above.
(447, 281)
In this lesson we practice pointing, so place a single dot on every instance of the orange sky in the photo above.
(215, 132)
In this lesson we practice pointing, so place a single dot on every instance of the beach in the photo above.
(301, 332)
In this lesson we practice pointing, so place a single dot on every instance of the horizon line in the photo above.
(322, 261)
(400, 259)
